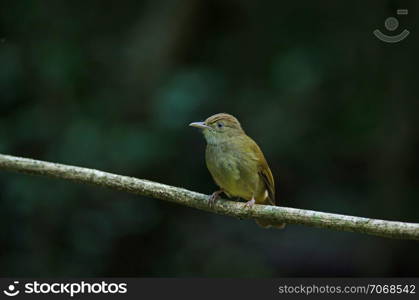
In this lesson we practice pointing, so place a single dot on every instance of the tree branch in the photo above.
(389, 229)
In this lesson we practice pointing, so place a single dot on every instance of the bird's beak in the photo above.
(201, 125)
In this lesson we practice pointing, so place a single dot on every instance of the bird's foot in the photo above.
(214, 197)
(250, 203)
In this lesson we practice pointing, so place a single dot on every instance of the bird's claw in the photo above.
(250, 203)
(214, 197)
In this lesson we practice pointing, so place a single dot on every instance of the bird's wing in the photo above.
(267, 177)
(264, 172)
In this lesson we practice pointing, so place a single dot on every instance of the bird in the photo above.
(237, 164)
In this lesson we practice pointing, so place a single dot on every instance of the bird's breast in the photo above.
(231, 170)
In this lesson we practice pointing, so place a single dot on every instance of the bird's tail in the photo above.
(267, 224)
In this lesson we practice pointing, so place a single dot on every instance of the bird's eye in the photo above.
(220, 125)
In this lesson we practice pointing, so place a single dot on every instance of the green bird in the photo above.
(236, 163)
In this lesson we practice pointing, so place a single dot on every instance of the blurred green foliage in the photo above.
(113, 86)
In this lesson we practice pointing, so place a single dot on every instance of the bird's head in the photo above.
(219, 128)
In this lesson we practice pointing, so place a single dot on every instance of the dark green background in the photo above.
(113, 85)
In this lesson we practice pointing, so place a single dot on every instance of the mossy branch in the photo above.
(389, 229)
